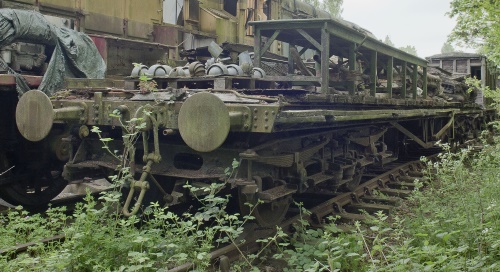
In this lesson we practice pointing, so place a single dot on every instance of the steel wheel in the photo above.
(266, 214)
(30, 184)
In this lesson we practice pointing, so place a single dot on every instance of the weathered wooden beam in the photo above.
(390, 65)
(256, 47)
(310, 39)
(414, 79)
(403, 80)
(291, 63)
(270, 41)
(424, 80)
(325, 60)
(303, 50)
(373, 73)
(352, 67)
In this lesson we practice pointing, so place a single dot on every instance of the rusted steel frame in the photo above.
(373, 73)
(335, 204)
(24, 247)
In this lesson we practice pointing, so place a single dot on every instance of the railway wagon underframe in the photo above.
(362, 106)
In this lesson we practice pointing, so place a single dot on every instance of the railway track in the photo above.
(394, 184)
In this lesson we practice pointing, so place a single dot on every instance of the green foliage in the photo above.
(447, 48)
(334, 7)
(478, 25)
(388, 41)
(100, 239)
(410, 49)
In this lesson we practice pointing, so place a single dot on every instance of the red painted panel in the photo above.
(102, 46)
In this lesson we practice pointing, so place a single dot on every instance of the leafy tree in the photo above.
(410, 49)
(388, 41)
(478, 25)
(334, 7)
(447, 48)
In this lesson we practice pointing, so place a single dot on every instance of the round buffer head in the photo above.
(204, 122)
(34, 115)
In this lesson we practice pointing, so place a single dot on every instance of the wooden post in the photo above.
(414, 78)
(373, 73)
(290, 60)
(325, 59)
(256, 47)
(403, 80)
(390, 68)
(352, 67)
(424, 80)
